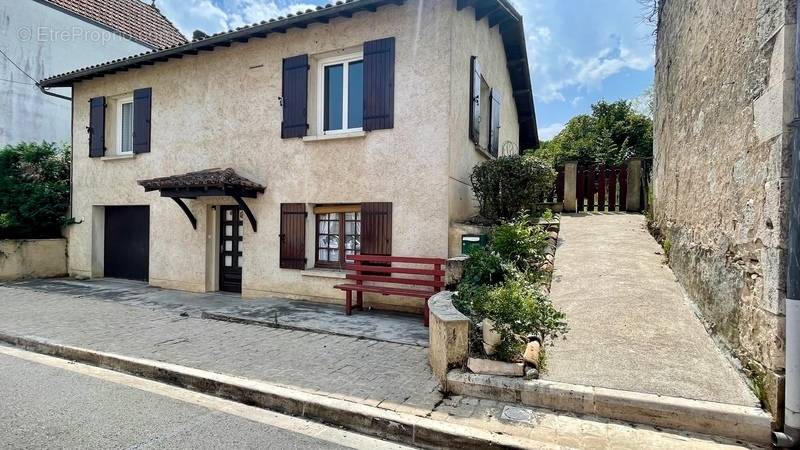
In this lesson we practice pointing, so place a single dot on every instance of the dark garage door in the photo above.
(127, 242)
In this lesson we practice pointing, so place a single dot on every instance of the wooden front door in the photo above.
(230, 248)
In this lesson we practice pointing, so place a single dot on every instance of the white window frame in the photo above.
(122, 101)
(345, 60)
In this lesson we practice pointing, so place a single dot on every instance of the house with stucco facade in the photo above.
(256, 160)
(42, 38)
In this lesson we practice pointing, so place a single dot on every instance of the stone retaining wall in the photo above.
(32, 258)
(724, 95)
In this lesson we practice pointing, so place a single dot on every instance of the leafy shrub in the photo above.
(484, 267)
(518, 310)
(34, 190)
(520, 243)
(510, 185)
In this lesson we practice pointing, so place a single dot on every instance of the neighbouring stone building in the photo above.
(724, 96)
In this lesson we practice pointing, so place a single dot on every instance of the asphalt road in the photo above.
(51, 403)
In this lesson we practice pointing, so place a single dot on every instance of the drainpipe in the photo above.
(52, 94)
(790, 436)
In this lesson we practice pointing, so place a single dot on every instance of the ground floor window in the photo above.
(338, 234)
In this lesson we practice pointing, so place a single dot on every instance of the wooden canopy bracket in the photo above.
(247, 211)
(186, 211)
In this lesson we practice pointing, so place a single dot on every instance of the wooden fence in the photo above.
(602, 188)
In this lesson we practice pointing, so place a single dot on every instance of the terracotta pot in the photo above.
(491, 338)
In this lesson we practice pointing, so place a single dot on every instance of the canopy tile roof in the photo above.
(134, 19)
(210, 178)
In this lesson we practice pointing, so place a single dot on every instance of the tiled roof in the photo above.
(500, 13)
(132, 18)
(210, 178)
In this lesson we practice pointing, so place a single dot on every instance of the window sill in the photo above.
(483, 152)
(325, 273)
(336, 136)
(117, 157)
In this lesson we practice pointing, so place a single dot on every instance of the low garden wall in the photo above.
(32, 258)
(448, 336)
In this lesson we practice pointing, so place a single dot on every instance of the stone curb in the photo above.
(745, 423)
(382, 423)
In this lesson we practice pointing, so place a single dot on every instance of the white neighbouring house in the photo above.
(47, 37)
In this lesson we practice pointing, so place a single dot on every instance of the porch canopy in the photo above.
(206, 183)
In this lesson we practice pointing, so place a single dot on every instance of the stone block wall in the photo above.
(724, 95)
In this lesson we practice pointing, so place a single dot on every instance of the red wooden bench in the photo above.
(380, 271)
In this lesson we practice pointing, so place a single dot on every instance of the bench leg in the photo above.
(426, 319)
(348, 303)
(360, 300)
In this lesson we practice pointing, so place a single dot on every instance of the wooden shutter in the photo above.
(295, 97)
(475, 101)
(97, 127)
(379, 84)
(141, 120)
(376, 228)
(494, 130)
(293, 236)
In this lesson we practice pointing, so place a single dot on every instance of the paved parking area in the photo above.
(386, 374)
(631, 327)
(379, 325)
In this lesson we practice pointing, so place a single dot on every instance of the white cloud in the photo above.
(190, 15)
(576, 100)
(548, 132)
(575, 46)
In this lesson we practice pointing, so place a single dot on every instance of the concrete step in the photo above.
(744, 423)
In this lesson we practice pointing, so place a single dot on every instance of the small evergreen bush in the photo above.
(34, 190)
(510, 185)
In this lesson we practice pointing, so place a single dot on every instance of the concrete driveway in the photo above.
(631, 326)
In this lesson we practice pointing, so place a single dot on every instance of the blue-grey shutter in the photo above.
(379, 84)
(97, 127)
(295, 97)
(141, 120)
(475, 101)
(494, 121)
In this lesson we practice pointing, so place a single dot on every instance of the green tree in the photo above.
(612, 133)
(34, 190)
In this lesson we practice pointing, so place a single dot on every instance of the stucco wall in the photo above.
(724, 90)
(45, 41)
(221, 109)
(471, 38)
(32, 258)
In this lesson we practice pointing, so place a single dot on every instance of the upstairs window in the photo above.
(125, 126)
(341, 90)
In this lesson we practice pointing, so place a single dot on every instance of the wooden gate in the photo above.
(602, 188)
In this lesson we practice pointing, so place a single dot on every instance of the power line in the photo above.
(17, 82)
(18, 67)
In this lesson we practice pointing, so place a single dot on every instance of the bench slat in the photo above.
(384, 269)
(399, 259)
(395, 280)
(385, 290)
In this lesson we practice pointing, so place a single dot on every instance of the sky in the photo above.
(580, 51)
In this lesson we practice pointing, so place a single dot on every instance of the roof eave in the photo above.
(222, 39)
